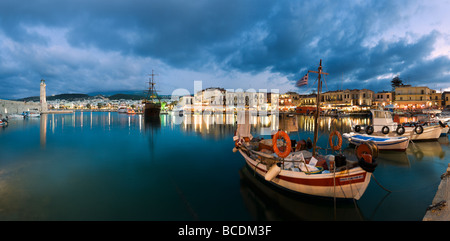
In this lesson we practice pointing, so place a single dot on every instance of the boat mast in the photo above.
(151, 89)
(316, 119)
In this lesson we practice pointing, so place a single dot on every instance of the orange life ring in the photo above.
(330, 139)
(285, 136)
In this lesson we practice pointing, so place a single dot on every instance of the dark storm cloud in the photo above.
(107, 43)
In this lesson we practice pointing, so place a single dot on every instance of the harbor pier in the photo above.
(439, 210)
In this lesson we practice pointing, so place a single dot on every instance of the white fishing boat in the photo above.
(302, 171)
(383, 143)
(122, 109)
(28, 114)
(383, 125)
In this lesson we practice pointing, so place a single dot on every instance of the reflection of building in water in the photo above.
(43, 130)
(214, 126)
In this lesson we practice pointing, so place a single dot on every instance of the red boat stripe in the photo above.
(340, 180)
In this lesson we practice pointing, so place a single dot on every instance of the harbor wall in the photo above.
(439, 210)
(17, 107)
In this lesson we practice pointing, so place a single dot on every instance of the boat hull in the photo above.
(152, 109)
(383, 143)
(349, 184)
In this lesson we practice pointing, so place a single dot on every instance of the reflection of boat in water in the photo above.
(301, 171)
(268, 204)
(426, 149)
(391, 157)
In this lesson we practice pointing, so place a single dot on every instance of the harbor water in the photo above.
(111, 166)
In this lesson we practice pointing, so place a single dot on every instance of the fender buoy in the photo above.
(400, 130)
(385, 130)
(369, 130)
(330, 140)
(367, 148)
(418, 129)
(357, 128)
(367, 163)
(288, 144)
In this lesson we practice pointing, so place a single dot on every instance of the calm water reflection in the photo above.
(110, 166)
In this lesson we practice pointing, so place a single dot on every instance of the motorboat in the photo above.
(122, 109)
(28, 114)
(395, 143)
(384, 125)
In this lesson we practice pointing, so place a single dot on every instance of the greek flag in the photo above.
(302, 81)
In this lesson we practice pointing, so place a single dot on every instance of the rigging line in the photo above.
(387, 190)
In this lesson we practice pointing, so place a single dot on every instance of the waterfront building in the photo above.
(289, 101)
(415, 97)
(446, 99)
(307, 100)
(383, 98)
(349, 100)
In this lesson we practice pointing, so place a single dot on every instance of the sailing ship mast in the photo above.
(316, 119)
(151, 94)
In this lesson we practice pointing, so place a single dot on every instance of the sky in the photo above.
(85, 46)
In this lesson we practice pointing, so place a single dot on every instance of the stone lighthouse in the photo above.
(43, 97)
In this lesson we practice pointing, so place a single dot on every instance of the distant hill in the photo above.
(56, 97)
(125, 97)
(72, 97)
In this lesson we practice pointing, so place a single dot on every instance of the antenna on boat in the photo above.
(316, 120)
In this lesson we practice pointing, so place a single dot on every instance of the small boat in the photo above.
(3, 122)
(382, 142)
(130, 111)
(28, 114)
(122, 109)
(302, 171)
(384, 125)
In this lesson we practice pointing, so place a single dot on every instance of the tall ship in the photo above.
(152, 104)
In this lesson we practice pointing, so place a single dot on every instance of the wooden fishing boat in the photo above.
(384, 125)
(303, 171)
(398, 143)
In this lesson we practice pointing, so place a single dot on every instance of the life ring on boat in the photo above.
(369, 130)
(285, 136)
(330, 140)
(385, 130)
(418, 129)
(442, 124)
(357, 128)
(400, 130)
